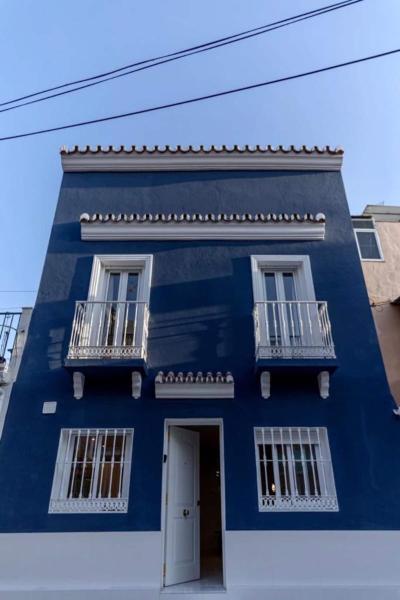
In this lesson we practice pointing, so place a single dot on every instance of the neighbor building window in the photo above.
(92, 471)
(367, 238)
(294, 469)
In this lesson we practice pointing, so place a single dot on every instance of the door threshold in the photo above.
(195, 587)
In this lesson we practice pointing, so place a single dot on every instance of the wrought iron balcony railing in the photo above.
(9, 322)
(115, 330)
(287, 330)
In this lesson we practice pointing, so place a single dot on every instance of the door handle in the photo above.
(185, 512)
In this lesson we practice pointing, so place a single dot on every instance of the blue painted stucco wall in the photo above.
(201, 319)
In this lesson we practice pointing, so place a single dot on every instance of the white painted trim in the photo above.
(221, 161)
(194, 390)
(199, 421)
(101, 262)
(201, 231)
(378, 243)
(300, 263)
(267, 565)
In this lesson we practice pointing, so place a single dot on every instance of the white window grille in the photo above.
(92, 471)
(294, 469)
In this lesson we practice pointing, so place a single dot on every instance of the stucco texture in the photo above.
(201, 306)
(383, 285)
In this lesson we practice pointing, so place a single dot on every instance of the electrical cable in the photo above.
(174, 56)
(199, 98)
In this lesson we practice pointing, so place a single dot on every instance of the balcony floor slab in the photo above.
(305, 366)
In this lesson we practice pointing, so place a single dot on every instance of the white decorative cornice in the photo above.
(203, 227)
(213, 158)
(206, 218)
(190, 385)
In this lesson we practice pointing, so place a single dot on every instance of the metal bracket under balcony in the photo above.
(108, 338)
(293, 335)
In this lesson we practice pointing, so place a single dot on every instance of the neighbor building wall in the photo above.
(383, 284)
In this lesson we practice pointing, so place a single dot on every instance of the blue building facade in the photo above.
(201, 400)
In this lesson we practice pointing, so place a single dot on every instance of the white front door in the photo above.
(182, 559)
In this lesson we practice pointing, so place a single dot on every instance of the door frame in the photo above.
(182, 422)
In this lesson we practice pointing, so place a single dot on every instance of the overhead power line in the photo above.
(200, 98)
(17, 291)
(166, 58)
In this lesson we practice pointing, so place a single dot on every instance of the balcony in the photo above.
(108, 339)
(109, 331)
(294, 335)
(13, 332)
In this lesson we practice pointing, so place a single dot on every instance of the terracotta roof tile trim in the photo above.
(190, 377)
(201, 150)
(207, 218)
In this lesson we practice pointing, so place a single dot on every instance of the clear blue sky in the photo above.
(43, 43)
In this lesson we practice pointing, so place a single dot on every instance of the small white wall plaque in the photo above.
(49, 408)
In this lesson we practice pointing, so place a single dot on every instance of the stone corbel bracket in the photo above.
(265, 383)
(78, 381)
(136, 384)
(194, 385)
(323, 384)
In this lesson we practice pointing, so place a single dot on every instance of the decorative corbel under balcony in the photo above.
(194, 385)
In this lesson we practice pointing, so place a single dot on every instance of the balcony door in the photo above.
(282, 310)
(119, 311)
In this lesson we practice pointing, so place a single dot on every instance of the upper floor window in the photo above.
(294, 469)
(289, 321)
(92, 471)
(367, 238)
(112, 322)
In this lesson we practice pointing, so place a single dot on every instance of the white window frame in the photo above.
(300, 264)
(377, 239)
(287, 437)
(142, 263)
(316, 336)
(59, 503)
(102, 265)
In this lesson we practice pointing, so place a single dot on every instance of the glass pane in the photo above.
(110, 470)
(268, 487)
(312, 470)
(130, 311)
(270, 286)
(132, 286)
(291, 311)
(111, 309)
(368, 244)
(363, 223)
(261, 457)
(272, 313)
(288, 285)
(283, 464)
(299, 471)
(113, 286)
(81, 467)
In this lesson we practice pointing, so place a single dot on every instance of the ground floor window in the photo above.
(92, 471)
(294, 469)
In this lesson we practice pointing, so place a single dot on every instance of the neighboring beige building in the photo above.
(377, 232)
